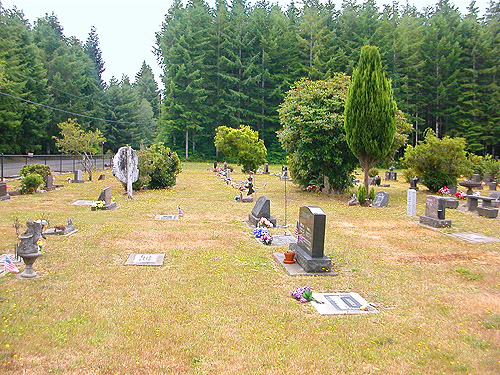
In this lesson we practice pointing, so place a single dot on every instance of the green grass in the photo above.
(220, 305)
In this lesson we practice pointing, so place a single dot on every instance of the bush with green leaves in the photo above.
(242, 145)
(373, 172)
(438, 162)
(485, 165)
(371, 195)
(30, 182)
(361, 194)
(40, 169)
(158, 167)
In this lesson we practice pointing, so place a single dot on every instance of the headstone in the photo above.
(394, 176)
(125, 164)
(475, 237)
(381, 199)
(413, 183)
(3, 191)
(266, 168)
(309, 249)
(476, 178)
(49, 182)
(492, 185)
(411, 202)
(487, 178)
(215, 165)
(342, 304)
(77, 176)
(166, 217)
(387, 175)
(102, 177)
(453, 189)
(228, 174)
(435, 212)
(106, 197)
(262, 208)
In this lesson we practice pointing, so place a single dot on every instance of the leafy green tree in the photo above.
(437, 162)
(243, 145)
(313, 133)
(370, 110)
(158, 167)
(74, 139)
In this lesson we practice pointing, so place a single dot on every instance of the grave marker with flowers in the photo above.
(262, 209)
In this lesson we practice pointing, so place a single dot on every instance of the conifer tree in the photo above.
(370, 110)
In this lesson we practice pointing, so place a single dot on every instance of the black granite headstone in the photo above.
(309, 249)
(262, 208)
(266, 168)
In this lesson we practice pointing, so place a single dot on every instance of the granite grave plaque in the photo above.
(341, 304)
(475, 237)
(166, 217)
(145, 260)
(309, 249)
(381, 199)
(262, 208)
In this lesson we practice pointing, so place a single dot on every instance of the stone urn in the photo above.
(28, 247)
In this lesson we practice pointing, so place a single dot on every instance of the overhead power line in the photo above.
(71, 113)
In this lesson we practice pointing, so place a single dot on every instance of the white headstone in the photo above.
(411, 202)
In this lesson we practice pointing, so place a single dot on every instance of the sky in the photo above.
(126, 28)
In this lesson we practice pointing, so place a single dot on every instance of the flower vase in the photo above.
(289, 258)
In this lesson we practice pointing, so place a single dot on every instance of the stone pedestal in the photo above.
(308, 263)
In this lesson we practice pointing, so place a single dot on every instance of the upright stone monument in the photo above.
(125, 164)
(3, 192)
(411, 202)
(413, 183)
(309, 249)
(262, 208)
(106, 197)
(77, 176)
(435, 207)
(49, 182)
(381, 199)
(266, 168)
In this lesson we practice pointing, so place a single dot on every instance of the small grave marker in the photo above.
(262, 208)
(341, 304)
(3, 191)
(166, 217)
(411, 202)
(381, 199)
(475, 237)
(145, 260)
(77, 176)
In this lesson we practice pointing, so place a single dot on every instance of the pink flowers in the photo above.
(263, 222)
(444, 191)
(266, 239)
(460, 195)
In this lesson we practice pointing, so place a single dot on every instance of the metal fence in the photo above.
(10, 165)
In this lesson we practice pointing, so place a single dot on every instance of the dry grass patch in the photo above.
(220, 305)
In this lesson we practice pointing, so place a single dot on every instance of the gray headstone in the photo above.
(435, 212)
(487, 178)
(228, 173)
(262, 208)
(492, 185)
(411, 202)
(309, 249)
(266, 168)
(3, 191)
(387, 175)
(77, 176)
(49, 182)
(102, 177)
(476, 178)
(453, 189)
(106, 197)
(381, 199)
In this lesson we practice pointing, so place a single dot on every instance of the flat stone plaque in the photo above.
(475, 237)
(166, 217)
(145, 260)
(342, 304)
(83, 203)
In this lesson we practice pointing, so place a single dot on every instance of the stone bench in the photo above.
(487, 202)
(488, 212)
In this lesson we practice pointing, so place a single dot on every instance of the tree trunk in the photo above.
(187, 144)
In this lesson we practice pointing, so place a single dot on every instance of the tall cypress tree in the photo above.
(93, 49)
(370, 111)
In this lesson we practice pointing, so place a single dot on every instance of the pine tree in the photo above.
(147, 88)
(93, 49)
(370, 110)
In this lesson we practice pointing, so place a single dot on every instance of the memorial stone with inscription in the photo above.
(49, 182)
(77, 176)
(262, 208)
(435, 207)
(381, 199)
(309, 249)
(3, 191)
(106, 197)
(411, 202)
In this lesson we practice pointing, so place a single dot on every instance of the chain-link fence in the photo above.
(10, 165)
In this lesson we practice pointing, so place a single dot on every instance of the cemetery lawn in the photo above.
(221, 305)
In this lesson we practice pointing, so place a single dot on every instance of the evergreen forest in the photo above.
(233, 63)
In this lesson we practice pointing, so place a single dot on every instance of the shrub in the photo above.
(372, 193)
(158, 167)
(39, 169)
(361, 194)
(438, 162)
(30, 182)
(373, 172)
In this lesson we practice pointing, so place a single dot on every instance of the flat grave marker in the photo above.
(166, 217)
(145, 260)
(342, 304)
(475, 237)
